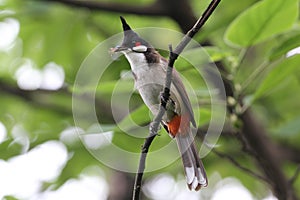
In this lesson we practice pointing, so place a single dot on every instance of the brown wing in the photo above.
(183, 94)
(181, 90)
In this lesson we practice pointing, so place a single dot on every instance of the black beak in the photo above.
(118, 49)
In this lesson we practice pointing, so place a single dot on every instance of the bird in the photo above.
(149, 72)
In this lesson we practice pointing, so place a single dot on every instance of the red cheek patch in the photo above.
(138, 44)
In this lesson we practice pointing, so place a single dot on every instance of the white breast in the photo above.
(149, 80)
(136, 60)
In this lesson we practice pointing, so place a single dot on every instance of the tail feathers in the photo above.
(193, 167)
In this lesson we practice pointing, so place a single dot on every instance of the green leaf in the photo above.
(285, 47)
(9, 149)
(120, 86)
(205, 116)
(201, 56)
(138, 117)
(262, 21)
(216, 54)
(282, 71)
(291, 128)
(9, 198)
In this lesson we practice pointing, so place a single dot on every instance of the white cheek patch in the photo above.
(140, 48)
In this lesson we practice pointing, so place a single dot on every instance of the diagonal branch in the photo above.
(166, 93)
(295, 176)
(238, 165)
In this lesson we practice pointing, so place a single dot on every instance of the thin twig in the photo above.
(259, 70)
(190, 34)
(294, 178)
(166, 93)
(154, 126)
(238, 165)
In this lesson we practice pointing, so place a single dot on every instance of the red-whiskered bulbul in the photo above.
(149, 71)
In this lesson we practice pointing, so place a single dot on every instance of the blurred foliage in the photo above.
(251, 37)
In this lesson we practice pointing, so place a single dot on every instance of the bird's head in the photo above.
(132, 42)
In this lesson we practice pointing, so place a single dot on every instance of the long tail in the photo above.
(193, 167)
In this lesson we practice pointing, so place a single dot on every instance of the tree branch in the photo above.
(166, 93)
(30, 96)
(33, 97)
(288, 152)
(254, 139)
(238, 165)
(267, 156)
(153, 9)
(179, 10)
(296, 174)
